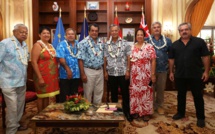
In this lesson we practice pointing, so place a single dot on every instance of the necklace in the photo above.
(53, 54)
(135, 57)
(164, 40)
(110, 48)
(22, 58)
(100, 47)
(71, 53)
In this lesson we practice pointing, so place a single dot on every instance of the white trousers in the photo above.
(15, 102)
(94, 85)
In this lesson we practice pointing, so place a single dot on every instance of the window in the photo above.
(208, 34)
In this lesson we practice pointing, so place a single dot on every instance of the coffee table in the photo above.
(55, 116)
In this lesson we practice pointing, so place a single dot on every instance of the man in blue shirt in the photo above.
(13, 75)
(91, 62)
(162, 45)
(67, 52)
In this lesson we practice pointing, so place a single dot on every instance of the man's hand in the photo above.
(127, 75)
(69, 74)
(171, 76)
(106, 75)
(84, 78)
(205, 76)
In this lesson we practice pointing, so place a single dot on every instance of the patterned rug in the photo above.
(159, 124)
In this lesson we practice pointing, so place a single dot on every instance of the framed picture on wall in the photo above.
(52, 34)
(92, 5)
(129, 35)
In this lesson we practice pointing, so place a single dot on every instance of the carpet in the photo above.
(159, 124)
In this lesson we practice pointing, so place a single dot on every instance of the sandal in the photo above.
(146, 118)
(145, 124)
(135, 124)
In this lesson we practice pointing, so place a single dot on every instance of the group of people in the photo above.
(139, 70)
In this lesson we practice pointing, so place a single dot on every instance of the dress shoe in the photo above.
(177, 116)
(201, 123)
(22, 128)
(160, 110)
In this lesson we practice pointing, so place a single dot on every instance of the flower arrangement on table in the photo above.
(76, 103)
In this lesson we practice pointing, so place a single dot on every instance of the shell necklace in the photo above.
(110, 49)
(100, 47)
(135, 57)
(164, 40)
(71, 52)
(53, 54)
(22, 58)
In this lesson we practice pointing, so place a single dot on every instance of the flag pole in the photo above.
(60, 12)
(59, 36)
(85, 16)
(116, 11)
(142, 9)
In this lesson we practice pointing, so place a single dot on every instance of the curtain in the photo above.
(1, 25)
(199, 15)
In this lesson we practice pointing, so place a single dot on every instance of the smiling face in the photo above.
(94, 32)
(45, 35)
(184, 31)
(114, 31)
(21, 33)
(70, 35)
(140, 36)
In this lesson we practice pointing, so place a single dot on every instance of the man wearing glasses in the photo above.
(13, 75)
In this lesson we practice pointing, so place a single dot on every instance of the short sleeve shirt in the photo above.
(162, 53)
(116, 54)
(70, 57)
(13, 72)
(91, 53)
(187, 58)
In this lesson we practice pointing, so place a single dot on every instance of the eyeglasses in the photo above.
(22, 32)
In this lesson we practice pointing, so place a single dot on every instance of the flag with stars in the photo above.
(59, 33)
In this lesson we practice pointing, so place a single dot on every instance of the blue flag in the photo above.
(59, 33)
(84, 30)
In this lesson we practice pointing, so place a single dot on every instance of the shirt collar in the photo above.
(18, 43)
(191, 38)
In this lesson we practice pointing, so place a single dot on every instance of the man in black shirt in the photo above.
(189, 55)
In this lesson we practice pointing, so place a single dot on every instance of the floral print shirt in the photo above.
(116, 66)
(13, 73)
(71, 60)
(91, 53)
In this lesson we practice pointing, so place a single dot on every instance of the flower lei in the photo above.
(45, 46)
(71, 53)
(164, 40)
(100, 47)
(135, 58)
(110, 49)
(22, 58)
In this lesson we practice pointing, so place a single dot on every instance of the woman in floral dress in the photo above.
(45, 67)
(143, 64)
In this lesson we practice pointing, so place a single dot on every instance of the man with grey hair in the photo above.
(13, 75)
(189, 55)
(161, 45)
(117, 69)
(67, 52)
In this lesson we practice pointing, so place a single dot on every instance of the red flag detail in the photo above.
(144, 26)
(116, 21)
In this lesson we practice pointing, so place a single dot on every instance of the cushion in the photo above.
(30, 96)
